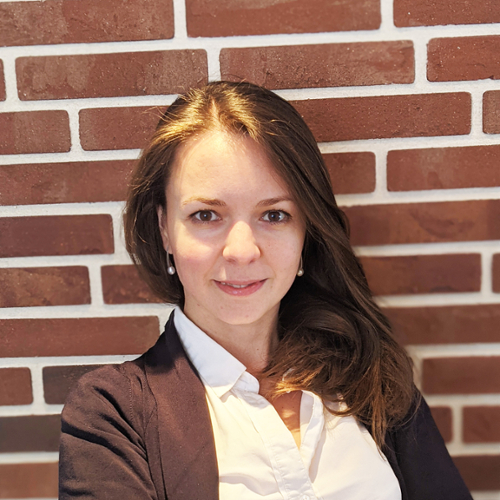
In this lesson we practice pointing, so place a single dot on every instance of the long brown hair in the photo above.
(334, 340)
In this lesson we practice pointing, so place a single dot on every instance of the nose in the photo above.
(241, 246)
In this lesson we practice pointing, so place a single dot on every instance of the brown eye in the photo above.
(205, 216)
(275, 216)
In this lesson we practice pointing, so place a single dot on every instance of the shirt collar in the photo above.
(217, 367)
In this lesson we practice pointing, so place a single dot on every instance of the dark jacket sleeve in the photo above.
(102, 451)
(422, 462)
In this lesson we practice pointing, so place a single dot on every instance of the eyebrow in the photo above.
(273, 201)
(207, 201)
(219, 203)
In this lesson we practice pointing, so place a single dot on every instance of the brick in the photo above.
(439, 12)
(15, 386)
(28, 480)
(110, 75)
(123, 285)
(2, 83)
(85, 21)
(351, 172)
(117, 128)
(423, 274)
(472, 375)
(446, 324)
(491, 112)
(442, 415)
(70, 182)
(325, 65)
(480, 472)
(418, 115)
(58, 380)
(443, 168)
(44, 286)
(30, 433)
(56, 235)
(29, 132)
(496, 273)
(231, 18)
(77, 336)
(464, 58)
(480, 424)
(402, 223)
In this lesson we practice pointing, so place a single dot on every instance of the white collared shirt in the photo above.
(256, 453)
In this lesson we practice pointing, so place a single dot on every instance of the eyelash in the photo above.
(196, 216)
(286, 216)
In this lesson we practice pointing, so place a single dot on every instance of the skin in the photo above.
(236, 236)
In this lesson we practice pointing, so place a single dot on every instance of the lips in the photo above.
(240, 288)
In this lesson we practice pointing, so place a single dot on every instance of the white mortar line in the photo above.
(438, 299)
(486, 495)
(84, 311)
(463, 400)
(38, 405)
(477, 113)
(72, 156)
(457, 426)
(214, 73)
(9, 68)
(30, 497)
(119, 234)
(66, 260)
(24, 411)
(486, 273)
(74, 127)
(428, 351)
(96, 292)
(97, 208)
(380, 172)
(396, 143)
(387, 16)
(427, 197)
(465, 247)
(33, 457)
(420, 48)
(44, 361)
(180, 21)
(474, 449)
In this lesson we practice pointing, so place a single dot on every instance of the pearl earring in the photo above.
(170, 267)
(300, 272)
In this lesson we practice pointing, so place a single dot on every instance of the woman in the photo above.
(277, 375)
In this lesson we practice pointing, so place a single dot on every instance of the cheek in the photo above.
(285, 262)
(192, 260)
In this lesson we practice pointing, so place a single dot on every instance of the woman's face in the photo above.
(234, 230)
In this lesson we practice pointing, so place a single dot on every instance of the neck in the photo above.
(251, 344)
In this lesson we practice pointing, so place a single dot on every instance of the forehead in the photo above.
(225, 162)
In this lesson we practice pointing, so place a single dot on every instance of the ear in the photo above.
(162, 225)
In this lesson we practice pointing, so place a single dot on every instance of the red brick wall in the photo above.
(404, 100)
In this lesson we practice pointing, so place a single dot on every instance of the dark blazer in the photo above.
(141, 430)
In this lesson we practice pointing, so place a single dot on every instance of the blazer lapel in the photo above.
(187, 447)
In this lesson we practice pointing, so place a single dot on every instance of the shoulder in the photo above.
(112, 392)
(104, 429)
